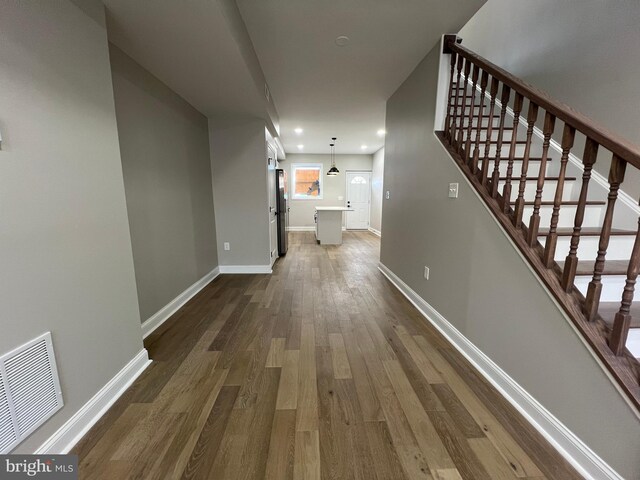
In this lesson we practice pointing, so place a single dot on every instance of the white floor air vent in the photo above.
(29, 390)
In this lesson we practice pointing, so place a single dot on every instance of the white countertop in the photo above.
(335, 209)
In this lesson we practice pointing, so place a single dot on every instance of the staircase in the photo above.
(578, 229)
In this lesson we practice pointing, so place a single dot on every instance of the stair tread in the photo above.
(529, 179)
(517, 159)
(611, 267)
(469, 104)
(608, 310)
(485, 127)
(569, 202)
(587, 231)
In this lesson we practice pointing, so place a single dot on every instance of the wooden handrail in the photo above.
(612, 142)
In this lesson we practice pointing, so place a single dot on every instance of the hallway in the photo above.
(321, 370)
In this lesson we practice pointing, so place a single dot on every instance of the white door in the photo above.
(273, 221)
(358, 200)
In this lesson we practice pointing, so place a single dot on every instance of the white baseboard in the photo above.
(574, 450)
(79, 424)
(256, 269)
(174, 305)
(301, 229)
(375, 232)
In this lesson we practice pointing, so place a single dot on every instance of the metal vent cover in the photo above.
(29, 390)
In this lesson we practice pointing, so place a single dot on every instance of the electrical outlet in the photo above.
(387, 195)
(453, 190)
(340, 198)
(426, 273)
(227, 246)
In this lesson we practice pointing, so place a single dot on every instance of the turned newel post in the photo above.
(466, 154)
(534, 222)
(616, 176)
(493, 91)
(532, 116)
(484, 79)
(568, 136)
(495, 177)
(454, 117)
(571, 262)
(452, 92)
(622, 320)
(463, 111)
(506, 191)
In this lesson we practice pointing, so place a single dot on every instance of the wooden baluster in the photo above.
(463, 112)
(571, 262)
(534, 222)
(506, 191)
(484, 79)
(532, 116)
(464, 142)
(450, 107)
(495, 177)
(493, 92)
(454, 117)
(616, 176)
(568, 136)
(622, 320)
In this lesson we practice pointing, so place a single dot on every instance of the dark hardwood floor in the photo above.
(321, 370)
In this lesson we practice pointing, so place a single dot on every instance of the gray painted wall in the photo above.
(301, 214)
(164, 144)
(239, 168)
(584, 53)
(66, 254)
(482, 286)
(377, 187)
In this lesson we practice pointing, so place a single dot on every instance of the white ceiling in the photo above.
(202, 50)
(341, 91)
(191, 47)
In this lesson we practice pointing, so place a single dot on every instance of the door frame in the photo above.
(346, 196)
(273, 155)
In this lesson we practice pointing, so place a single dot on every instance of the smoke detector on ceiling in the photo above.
(342, 41)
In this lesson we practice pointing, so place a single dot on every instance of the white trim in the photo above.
(245, 269)
(375, 232)
(346, 193)
(63, 440)
(174, 305)
(527, 263)
(442, 88)
(574, 450)
(301, 229)
(600, 179)
(272, 197)
(292, 172)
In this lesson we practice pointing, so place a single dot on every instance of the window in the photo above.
(358, 181)
(306, 181)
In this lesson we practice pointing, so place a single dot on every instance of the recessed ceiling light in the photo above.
(342, 41)
(300, 147)
(382, 132)
(363, 147)
(298, 130)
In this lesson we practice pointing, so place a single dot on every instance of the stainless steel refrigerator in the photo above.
(282, 210)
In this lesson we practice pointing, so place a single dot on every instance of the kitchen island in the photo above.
(329, 225)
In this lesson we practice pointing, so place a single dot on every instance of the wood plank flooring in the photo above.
(320, 371)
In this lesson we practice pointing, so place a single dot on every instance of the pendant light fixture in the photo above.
(333, 170)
